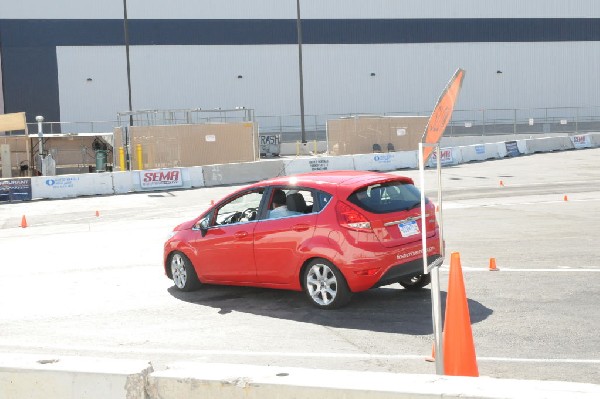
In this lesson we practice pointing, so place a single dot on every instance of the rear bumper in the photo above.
(389, 265)
(403, 271)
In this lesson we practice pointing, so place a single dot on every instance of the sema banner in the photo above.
(161, 178)
(582, 141)
(446, 155)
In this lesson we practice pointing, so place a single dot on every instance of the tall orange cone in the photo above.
(501, 183)
(493, 267)
(565, 198)
(459, 348)
(23, 222)
(97, 213)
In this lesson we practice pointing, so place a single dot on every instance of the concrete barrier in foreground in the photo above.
(51, 377)
(228, 381)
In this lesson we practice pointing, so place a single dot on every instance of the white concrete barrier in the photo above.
(386, 161)
(547, 144)
(479, 152)
(69, 186)
(196, 176)
(522, 146)
(66, 186)
(239, 173)
(227, 381)
(503, 148)
(122, 182)
(26, 376)
(315, 164)
(595, 139)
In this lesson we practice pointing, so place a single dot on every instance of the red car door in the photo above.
(279, 243)
(226, 253)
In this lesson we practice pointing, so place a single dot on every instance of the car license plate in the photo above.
(408, 229)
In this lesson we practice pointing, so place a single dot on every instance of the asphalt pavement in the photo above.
(73, 283)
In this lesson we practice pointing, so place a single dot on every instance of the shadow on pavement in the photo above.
(383, 309)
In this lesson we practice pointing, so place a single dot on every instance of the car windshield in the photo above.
(387, 197)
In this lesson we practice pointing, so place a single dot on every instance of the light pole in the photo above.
(299, 30)
(126, 32)
(40, 120)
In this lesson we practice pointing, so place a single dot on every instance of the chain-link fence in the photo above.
(478, 122)
(482, 122)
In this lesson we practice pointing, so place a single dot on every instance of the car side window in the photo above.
(241, 209)
(288, 202)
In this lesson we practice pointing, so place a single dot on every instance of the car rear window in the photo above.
(387, 197)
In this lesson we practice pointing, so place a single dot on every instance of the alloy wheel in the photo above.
(321, 284)
(178, 271)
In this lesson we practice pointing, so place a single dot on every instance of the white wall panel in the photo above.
(337, 78)
(99, 99)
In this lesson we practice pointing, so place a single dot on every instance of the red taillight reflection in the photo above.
(350, 218)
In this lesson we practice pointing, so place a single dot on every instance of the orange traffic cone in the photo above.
(24, 222)
(212, 202)
(97, 213)
(501, 183)
(493, 267)
(432, 358)
(565, 198)
(459, 348)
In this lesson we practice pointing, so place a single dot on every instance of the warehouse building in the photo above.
(67, 60)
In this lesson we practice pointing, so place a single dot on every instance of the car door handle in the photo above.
(240, 234)
(301, 227)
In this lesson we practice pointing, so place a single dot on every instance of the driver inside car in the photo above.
(279, 206)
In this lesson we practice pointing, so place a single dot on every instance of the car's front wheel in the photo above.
(325, 285)
(416, 282)
(183, 273)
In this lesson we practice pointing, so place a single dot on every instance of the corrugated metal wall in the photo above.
(337, 78)
(359, 57)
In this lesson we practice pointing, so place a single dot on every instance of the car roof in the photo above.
(350, 179)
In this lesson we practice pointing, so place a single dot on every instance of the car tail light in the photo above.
(350, 218)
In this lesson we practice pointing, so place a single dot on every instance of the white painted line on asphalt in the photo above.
(466, 205)
(517, 360)
(328, 355)
(446, 268)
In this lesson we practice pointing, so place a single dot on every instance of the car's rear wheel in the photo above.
(183, 273)
(325, 285)
(416, 282)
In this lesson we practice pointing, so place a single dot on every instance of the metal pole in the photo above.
(39, 120)
(299, 29)
(126, 32)
(436, 312)
(436, 301)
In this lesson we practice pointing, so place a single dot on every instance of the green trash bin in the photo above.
(101, 157)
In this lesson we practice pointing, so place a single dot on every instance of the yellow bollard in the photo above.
(138, 148)
(122, 158)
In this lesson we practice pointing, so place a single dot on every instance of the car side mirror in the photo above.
(203, 225)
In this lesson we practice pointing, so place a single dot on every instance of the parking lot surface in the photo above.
(73, 283)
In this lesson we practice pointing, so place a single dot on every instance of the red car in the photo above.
(329, 234)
